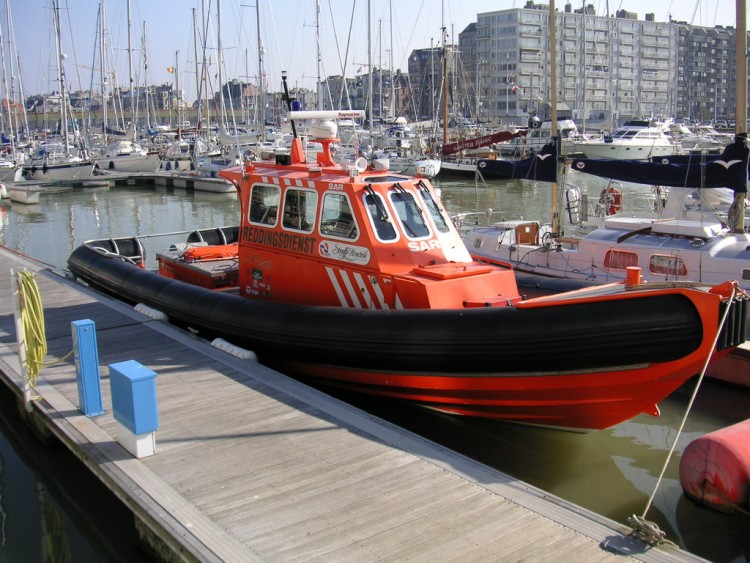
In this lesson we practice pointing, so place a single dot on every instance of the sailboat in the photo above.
(124, 153)
(667, 249)
(59, 159)
(11, 156)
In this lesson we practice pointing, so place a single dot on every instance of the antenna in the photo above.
(288, 101)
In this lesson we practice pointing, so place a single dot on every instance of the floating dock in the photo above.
(251, 465)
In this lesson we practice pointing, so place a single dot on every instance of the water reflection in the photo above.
(531, 200)
(51, 507)
(74, 216)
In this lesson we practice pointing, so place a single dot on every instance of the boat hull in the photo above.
(581, 403)
(62, 171)
(602, 150)
(718, 258)
(130, 163)
(464, 169)
(595, 364)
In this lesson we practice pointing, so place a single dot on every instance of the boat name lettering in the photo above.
(423, 245)
(336, 187)
(267, 237)
(344, 252)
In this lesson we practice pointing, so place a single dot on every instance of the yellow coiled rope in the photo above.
(32, 319)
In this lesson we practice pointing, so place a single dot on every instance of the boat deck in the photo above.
(252, 465)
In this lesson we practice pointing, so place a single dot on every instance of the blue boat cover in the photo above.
(542, 166)
(728, 170)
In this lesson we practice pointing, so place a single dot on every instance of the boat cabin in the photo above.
(313, 234)
(318, 233)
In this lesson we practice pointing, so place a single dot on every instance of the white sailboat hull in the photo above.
(59, 171)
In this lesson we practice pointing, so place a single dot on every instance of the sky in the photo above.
(289, 36)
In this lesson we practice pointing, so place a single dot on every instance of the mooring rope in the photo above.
(647, 531)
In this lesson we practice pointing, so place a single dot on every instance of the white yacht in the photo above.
(635, 140)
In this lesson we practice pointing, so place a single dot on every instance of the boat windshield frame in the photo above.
(336, 217)
(265, 200)
(380, 217)
(410, 214)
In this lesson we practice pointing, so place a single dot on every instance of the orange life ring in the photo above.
(611, 199)
(210, 252)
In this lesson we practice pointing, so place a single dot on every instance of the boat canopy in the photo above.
(729, 170)
(541, 167)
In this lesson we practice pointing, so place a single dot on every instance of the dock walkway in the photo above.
(251, 465)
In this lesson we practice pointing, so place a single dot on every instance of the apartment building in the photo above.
(609, 68)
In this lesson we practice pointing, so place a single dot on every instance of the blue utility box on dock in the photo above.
(86, 358)
(134, 396)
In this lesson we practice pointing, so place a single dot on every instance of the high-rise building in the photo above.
(609, 68)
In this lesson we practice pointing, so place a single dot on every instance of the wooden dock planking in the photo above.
(251, 465)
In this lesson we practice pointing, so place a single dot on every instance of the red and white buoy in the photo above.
(715, 468)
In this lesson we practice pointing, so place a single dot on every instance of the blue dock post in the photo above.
(133, 388)
(87, 367)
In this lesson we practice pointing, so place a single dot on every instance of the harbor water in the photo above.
(49, 510)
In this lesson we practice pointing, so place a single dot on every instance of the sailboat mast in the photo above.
(222, 109)
(198, 93)
(145, 75)
(319, 89)
(741, 109)
(445, 86)
(15, 71)
(369, 67)
(61, 78)
(177, 89)
(130, 72)
(8, 94)
(392, 109)
(102, 51)
(261, 89)
(583, 66)
(553, 104)
(205, 84)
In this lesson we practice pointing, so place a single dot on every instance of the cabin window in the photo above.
(299, 210)
(409, 213)
(667, 265)
(620, 260)
(337, 219)
(381, 220)
(264, 204)
(433, 208)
